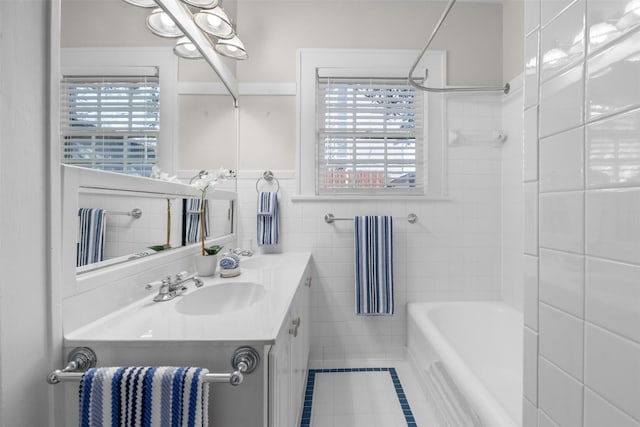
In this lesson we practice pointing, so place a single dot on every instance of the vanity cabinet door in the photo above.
(300, 341)
(280, 380)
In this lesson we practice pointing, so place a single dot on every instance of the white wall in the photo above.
(24, 191)
(582, 250)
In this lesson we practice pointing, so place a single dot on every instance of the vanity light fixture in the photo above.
(202, 4)
(214, 22)
(185, 48)
(161, 24)
(232, 48)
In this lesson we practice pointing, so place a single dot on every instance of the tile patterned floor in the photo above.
(364, 396)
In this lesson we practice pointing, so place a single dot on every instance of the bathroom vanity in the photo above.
(266, 307)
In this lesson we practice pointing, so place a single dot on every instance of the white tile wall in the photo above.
(562, 161)
(531, 69)
(562, 221)
(612, 368)
(531, 289)
(561, 102)
(612, 78)
(613, 229)
(560, 395)
(561, 340)
(530, 163)
(530, 366)
(613, 151)
(562, 41)
(562, 281)
(598, 412)
(589, 270)
(613, 296)
(531, 218)
(530, 414)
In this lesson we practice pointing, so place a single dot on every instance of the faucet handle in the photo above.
(182, 275)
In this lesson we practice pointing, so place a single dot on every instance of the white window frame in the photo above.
(384, 63)
(119, 61)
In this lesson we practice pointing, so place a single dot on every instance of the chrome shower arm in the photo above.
(417, 85)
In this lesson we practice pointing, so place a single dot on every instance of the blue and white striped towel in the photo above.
(144, 397)
(193, 229)
(268, 218)
(374, 265)
(91, 232)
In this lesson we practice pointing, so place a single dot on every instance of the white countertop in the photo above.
(154, 322)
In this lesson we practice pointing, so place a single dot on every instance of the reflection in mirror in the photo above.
(109, 233)
(218, 220)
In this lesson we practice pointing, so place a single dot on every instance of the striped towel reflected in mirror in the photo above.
(193, 229)
(144, 396)
(268, 221)
(374, 265)
(91, 233)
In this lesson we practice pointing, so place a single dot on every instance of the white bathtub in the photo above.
(469, 355)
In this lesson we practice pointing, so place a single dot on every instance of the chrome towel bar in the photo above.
(330, 218)
(244, 361)
(135, 213)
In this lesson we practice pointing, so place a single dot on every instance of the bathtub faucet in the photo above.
(169, 288)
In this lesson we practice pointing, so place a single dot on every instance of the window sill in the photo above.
(358, 198)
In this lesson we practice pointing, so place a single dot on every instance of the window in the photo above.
(363, 131)
(370, 136)
(111, 123)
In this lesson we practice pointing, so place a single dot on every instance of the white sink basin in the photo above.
(220, 298)
(260, 262)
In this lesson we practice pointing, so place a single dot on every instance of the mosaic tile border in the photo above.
(311, 380)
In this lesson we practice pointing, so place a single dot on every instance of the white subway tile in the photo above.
(613, 151)
(612, 368)
(529, 414)
(559, 395)
(609, 19)
(561, 221)
(545, 421)
(561, 340)
(562, 41)
(598, 413)
(549, 9)
(530, 365)
(562, 281)
(612, 226)
(531, 74)
(530, 153)
(561, 102)
(562, 161)
(613, 296)
(531, 15)
(613, 79)
(530, 270)
(531, 218)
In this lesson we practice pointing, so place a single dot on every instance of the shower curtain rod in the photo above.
(417, 85)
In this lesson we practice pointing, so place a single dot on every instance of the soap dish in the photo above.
(231, 272)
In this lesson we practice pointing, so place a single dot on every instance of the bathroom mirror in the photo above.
(105, 225)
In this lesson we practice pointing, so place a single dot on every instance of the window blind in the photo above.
(111, 123)
(370, 135)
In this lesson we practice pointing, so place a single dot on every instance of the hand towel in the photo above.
(144, 397)
(193, 229)
(268, 218)
(91, 233)
(374, 265)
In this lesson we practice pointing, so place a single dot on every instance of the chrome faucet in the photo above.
(169, 288)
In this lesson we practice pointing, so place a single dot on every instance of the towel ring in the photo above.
(269, 178)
